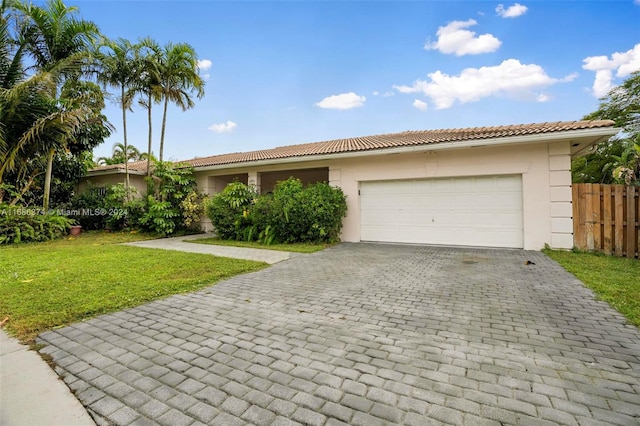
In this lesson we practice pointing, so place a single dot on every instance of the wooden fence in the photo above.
(606, 218)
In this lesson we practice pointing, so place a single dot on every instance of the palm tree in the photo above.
(130, 152)
(33, 122)
(58, 43)
(118, 68)
(178, 79)
(118, 155)
(149, 84)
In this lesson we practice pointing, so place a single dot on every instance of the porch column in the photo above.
(254, 180)
(560, 191)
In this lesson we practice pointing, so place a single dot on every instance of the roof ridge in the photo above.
(387, 140)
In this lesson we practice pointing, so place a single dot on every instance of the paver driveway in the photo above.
(364, 334)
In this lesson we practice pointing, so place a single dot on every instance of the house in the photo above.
(502, 186)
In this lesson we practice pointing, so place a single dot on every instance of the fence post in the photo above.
(596, 216)
(619, 223)
(631, 222)
(607, 237)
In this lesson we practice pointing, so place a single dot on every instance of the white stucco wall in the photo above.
(531, 161)
(560, 207)
(545, 170)
(136, 181)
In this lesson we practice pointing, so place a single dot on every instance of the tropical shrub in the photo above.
(291, 213)
(172, 202)
(325, 207)
(107, 208)
(122, 208)
(159, 217)
(229, 211)
(20, 225)
(192, 208)
(294, 213)
(88, 204)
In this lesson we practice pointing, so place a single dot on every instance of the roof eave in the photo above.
(91, 173)
(598, 134)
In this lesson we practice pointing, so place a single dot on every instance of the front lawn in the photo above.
(46, 285)
(615, 280)
(294, 247)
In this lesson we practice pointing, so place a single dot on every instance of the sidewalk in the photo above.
(31, 393)
(180, 244)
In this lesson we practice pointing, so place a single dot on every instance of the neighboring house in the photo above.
(503, 186)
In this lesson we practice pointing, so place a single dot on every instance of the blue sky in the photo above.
(287, 72)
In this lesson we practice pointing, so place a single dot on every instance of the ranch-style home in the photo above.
(502, 186)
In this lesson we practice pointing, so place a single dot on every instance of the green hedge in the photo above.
(171, 204)
(292, 213)
(21, 224)
(229, 209)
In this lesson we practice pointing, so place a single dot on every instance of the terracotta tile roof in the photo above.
(394, 140)
(136, 166)
(390, 140)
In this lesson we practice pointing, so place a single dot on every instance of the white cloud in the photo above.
(376, 93)
(388, 94)
(623, 63)
(342, 101)
(512, 11)
(204, 64)
(454, 38)
(422, 106)
(543, 97)
(570, 77)
(223, 127)
(510, 78)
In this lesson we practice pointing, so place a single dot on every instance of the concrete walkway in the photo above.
(364, 334)
(31, 393)
(180, 244)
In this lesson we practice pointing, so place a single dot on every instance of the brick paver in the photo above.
(364, 334)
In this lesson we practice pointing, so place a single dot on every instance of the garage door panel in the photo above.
(481, 211)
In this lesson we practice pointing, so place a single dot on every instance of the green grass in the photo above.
(615, 280)
(47, 285)
(294, 247)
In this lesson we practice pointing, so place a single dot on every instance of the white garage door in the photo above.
(471, 211)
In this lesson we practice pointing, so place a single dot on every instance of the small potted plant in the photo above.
(75, 230)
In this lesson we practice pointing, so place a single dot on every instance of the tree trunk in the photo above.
(47, 180)
(164, 124)
(126, 146)
(24, 190)
(150, 138)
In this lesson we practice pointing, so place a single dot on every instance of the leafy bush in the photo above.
(87, 204)
(122, 211)
(192, 208)
(20, 224)
(288, 218)
(301, 214)
(292, 213)
(172, 203)
(229, 211)
(325, 206)
(159, 217)
(263, 214)
(102, 208)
